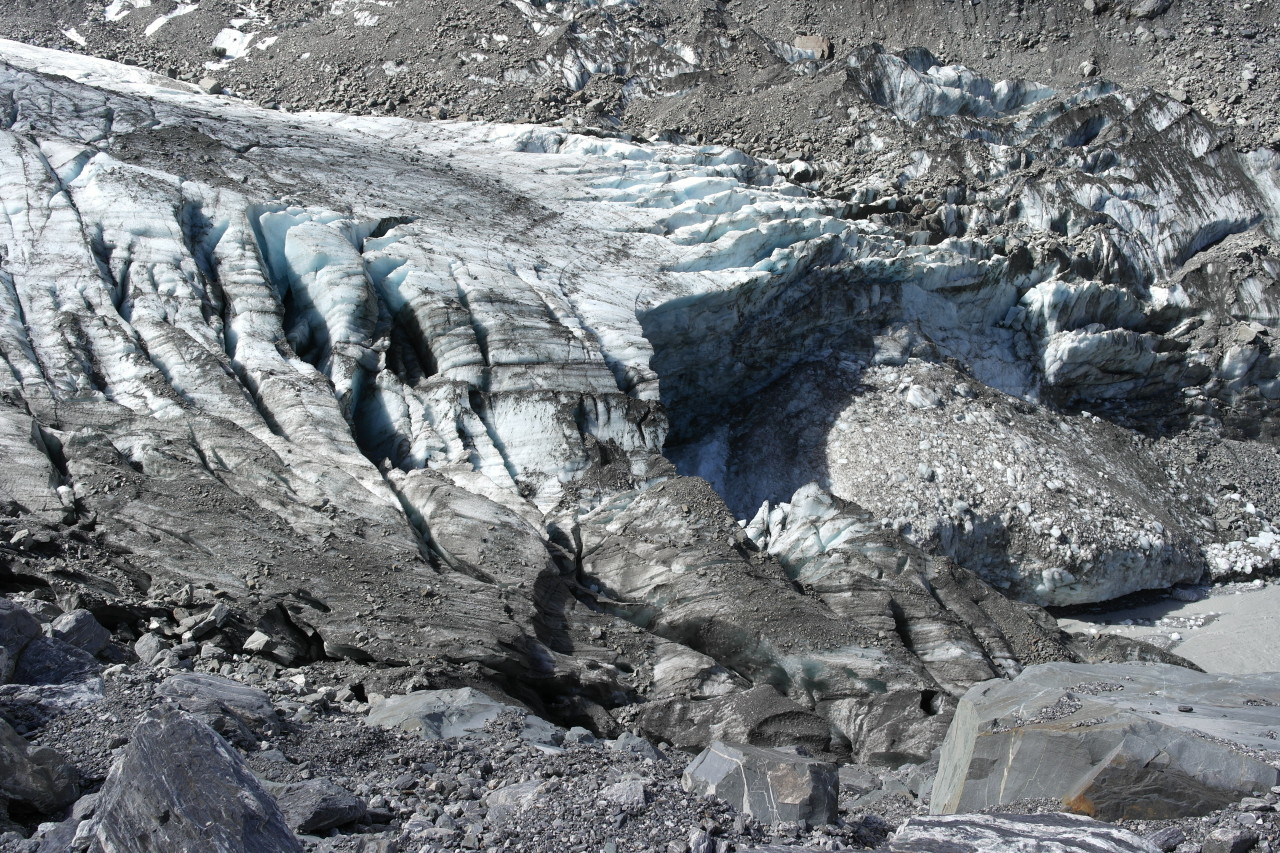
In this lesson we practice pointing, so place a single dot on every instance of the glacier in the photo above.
(609, 420)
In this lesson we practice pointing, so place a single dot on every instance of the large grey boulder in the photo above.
(36, 776)
(180, 786)
(441, 714)
(1141, 741)
(80, 629)
(29, 657)
(17, 629)
(769, 784)
(760, 716)
(1014, 833)
(316, 805)
(48, 660)
(238, 712)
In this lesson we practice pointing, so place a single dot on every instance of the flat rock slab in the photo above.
(769, 784)
(180, 786)
(1014, 833)
(1113, 741)
(441, 714)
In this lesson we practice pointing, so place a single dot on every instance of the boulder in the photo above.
(819, 46)
(1014, 833)
(81, 630)
(238, 712)
(148, 647)
(316, 805)
(633, 743)
(760, 716)
(1229, 840)
(441, 714)
(1125, 741)
(35, 776)
(179, 786)
(769, 784)
(48, 660)
(629, 793)
(510, 799)
(17, 629)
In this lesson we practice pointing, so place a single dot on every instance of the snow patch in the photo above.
(180, 10)
(234, 45)
(117, 9)
(358, 9)
(74, 36)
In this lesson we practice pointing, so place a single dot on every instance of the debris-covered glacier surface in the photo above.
(604, 420)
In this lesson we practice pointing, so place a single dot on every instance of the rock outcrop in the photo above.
(1124, 741)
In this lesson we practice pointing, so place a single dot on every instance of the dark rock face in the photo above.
(1001, 833)
(35, 776)
(767, 784)
(40, 674)
(179, 786)
(1124, 741)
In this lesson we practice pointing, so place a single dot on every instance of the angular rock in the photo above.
(760, 716)
(316, 805)
(629, 793)
(236, 711)
(148, 647)
(628, 742)
(1167, 839)
(1014, 833)
(80, 629)
(47, 660)
(179, 786)
(1116, 738)
(1226, 840)
(17, 629)
(768, 784)
(441, 714)
(36, 776)
(510, 799)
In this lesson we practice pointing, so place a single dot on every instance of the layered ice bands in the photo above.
(616, 421)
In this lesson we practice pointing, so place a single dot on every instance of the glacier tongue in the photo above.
(405, 389)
